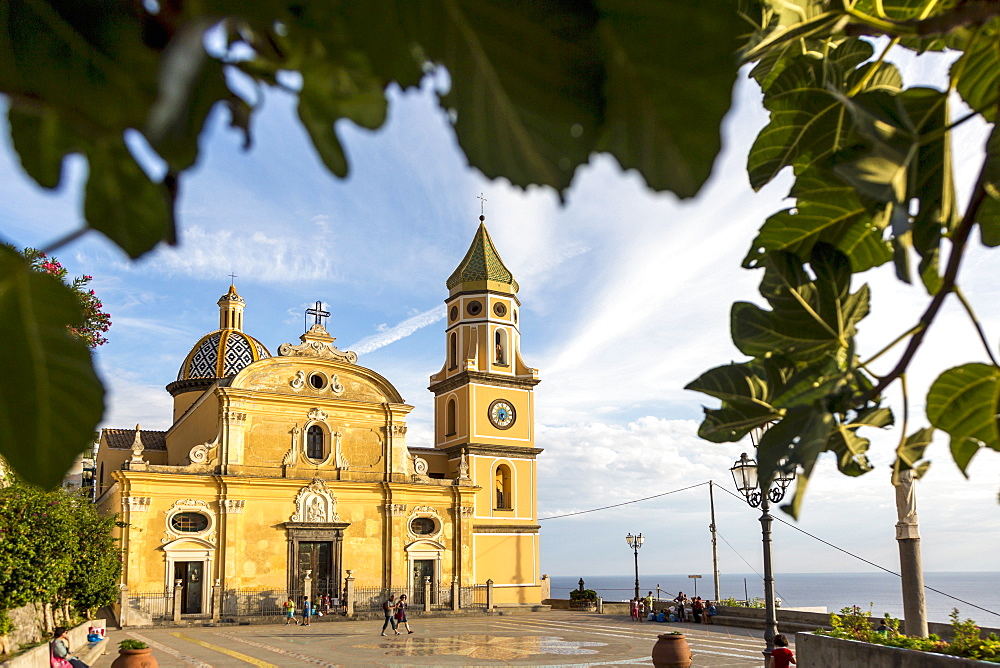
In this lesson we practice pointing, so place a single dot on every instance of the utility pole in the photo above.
(908, 539)
(715, 548)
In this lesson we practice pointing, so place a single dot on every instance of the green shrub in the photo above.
(585, 595)
(131, 643)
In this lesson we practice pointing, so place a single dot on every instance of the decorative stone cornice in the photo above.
(462, 511)
(491, 450)
(395, 509)
(235, 418)
(505, 528)
(481, 378)
(232, 506)
(136, 504)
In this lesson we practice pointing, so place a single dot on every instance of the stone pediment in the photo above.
(317, 342)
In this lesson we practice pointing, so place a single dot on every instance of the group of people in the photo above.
(395, 614)
(681, 609)
(324, 605)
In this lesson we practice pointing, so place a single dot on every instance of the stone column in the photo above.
(489, 595)
(216, 600)
(307, 587)
(178, 592)
(910, 567)
(123, 607)
(427, 593)
(456, 594)
(546, 588)
(349, 592)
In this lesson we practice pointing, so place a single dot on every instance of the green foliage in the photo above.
(536, 88)
(55, 548)
(131, 643)
(853, 623)
(50, 414)
(873, 183)
(755, 602)
(585, 595)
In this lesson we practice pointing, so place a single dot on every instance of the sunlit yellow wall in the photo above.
(483, 430)
(508, 559)
(198, 426)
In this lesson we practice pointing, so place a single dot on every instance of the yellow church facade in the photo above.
(286, 472)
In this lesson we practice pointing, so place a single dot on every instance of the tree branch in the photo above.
(959, 240)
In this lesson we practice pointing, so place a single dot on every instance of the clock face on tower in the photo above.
(502, 414)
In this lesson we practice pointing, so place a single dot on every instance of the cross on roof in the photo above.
(232, 278)
(482, 204)
(318, 312)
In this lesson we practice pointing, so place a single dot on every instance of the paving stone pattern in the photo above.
(550, 639)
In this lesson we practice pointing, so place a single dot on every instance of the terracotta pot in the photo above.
(671, 651)
(135, 658)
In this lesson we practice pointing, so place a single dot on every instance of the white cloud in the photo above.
(392, 334)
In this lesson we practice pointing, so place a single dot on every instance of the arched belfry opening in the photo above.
(500, 344)
(453, 351)
(451, 418)
(503, 488)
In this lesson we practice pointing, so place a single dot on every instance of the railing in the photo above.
(369, 599)
(147, 607)
(440, 598)
(473, 597)
(255, 602)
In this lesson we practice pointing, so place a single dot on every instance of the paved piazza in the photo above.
(551, 639)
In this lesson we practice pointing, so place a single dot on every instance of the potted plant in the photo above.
(583, 599)
(671, 651)
(134, 654)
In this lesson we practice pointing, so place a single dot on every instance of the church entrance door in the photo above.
(317, 556)
(191, 575)
(422, 568)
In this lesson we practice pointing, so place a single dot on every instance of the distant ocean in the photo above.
(832, 590)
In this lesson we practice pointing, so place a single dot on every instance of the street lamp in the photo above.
(747, 483)
(635, 542)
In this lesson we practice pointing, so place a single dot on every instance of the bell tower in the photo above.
(484, 417)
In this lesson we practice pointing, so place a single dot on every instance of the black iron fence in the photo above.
(255, 602)
(148, 607)
(473, 597)
(369, 599)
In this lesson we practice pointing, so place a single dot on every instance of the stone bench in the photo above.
(88, 652)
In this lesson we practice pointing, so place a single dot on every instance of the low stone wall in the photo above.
(813, 651)
(32, 624)
(38, 657)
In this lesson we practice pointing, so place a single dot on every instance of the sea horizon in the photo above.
(978, 591)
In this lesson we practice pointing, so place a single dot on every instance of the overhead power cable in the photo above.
(870, 563)
(623, 503)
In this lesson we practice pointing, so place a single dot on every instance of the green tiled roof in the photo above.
(482, 263)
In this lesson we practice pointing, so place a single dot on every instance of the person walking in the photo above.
(306, 611)
(401, 614)
(289, 607)
(633, 609)
(389, 610)
(781, 657)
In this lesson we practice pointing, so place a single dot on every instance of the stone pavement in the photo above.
(531, 639)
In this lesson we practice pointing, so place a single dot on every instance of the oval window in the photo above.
(422, 526)
(474, 308)
(189, 522)
(317, 381)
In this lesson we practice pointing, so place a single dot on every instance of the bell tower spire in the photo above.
(231, 307)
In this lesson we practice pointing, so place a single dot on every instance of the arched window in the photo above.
(451, 418)
(501, 347)
(454, 350)
(314, 442)
(504, 496)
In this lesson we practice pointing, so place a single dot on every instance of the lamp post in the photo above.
(745, 476)
(635, 542)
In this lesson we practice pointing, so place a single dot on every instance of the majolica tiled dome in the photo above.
(224, 352)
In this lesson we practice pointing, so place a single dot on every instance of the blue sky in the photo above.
(625, 297)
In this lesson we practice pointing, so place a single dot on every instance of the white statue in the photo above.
(316, 512)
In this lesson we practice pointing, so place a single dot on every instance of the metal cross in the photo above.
(232, 278)
(482, 204)
(318, 312)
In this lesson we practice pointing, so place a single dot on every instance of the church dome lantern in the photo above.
(222, 353)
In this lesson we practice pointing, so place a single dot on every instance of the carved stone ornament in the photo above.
(338, 451)
(190, 503)
(424, 511)
(137, 504)
(317, 342)
(395, 509)
(335, 385)
(200, 453)
(299, 380)
(463, 467)
(317, 414)
(419, 465)
(315, 503)
(398, 430)
(234, 417)
(137, 448)
(232, 506)
(462, 511)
